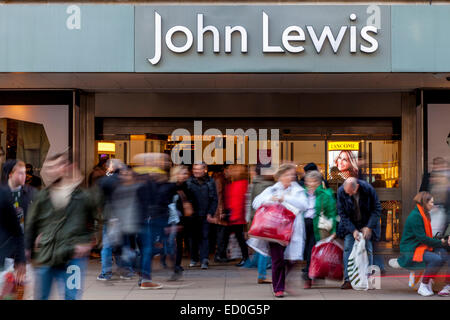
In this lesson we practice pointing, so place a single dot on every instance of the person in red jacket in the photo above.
(235, 193)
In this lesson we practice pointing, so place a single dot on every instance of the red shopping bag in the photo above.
(327, 260)
(9, 290)
(274, 223)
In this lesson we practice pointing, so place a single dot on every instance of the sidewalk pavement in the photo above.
(228, 282)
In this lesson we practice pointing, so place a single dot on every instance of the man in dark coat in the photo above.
(359, 209)
(11, 235)
(20, 194)
(203, 190)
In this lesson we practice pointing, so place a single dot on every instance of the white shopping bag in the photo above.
(358, 264)
(233, 250)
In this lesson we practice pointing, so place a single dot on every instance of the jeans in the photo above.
(348, 246)
(262, 261)
(69, 279)
(152, 232)
(434, 261)
(123, 255)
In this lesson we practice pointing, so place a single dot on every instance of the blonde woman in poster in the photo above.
(347, 163)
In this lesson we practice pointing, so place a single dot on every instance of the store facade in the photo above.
(335, 83)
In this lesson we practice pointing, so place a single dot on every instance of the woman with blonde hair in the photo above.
(347, 164)
(418, 248)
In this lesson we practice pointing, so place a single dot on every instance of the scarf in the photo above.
(420, 250)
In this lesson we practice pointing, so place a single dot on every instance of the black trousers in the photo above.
(222, 241)
(309, 244)
(198, 234)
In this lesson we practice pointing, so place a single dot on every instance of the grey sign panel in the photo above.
(66, 38)
(323, 38)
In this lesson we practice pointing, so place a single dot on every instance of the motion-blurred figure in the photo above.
(235, 193)
(258, 185)
(111, 201)
(153, 198)
(182, 206)
(437, 182)
(11, 236)
(321, 206)
(59, 229)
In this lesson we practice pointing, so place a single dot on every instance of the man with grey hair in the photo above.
(359, 209)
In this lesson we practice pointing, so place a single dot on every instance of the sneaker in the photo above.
(346, 285)
(425, 289)
(127, 275)
(205, 265)
(220, 260)
(394, 264)
(150, 285)
(104, 277)
(193, 264)
(279, 294)
(445, 292)
(261, 281)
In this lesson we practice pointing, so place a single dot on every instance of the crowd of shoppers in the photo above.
(156, 209)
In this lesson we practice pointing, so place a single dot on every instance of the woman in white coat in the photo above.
(290, 194)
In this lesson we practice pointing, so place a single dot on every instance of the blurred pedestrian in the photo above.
(437, 182)
(183, 206)
(107, 186)
(11, 236)
(418, 248)
(59, 229)
(220, 218)
(311, 167)
(153, 198)
(259, 184)
(203, 190)
(320, 217)
(125, 210)
(235, 193)
(285, 191)
(359, 209)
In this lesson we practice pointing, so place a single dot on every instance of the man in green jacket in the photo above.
(59, 229)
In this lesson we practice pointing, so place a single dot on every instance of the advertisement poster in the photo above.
(343, 159)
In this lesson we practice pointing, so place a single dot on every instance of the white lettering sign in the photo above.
(293, 38)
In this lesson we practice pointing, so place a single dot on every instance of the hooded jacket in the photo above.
(52, 234)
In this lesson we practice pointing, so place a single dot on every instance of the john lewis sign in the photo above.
(285, 38)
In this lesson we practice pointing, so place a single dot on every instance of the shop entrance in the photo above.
(368, 149)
